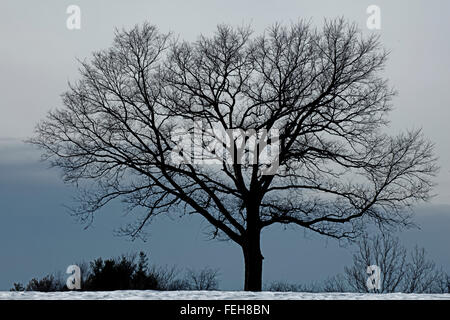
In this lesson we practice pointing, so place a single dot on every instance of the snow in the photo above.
(212, 295)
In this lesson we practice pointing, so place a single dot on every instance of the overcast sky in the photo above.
(38, 57)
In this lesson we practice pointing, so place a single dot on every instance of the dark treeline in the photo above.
(402, 270)
(127, 272)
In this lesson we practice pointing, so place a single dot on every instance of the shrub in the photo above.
(127, 272)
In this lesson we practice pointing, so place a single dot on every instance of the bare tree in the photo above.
(337, 283)
(448, 283)
(321, 88)
(384, 251)
(400, 271)
(168, 278)
(205, 279)
(422, 275)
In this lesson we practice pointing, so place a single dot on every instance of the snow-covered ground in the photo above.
(212, 295)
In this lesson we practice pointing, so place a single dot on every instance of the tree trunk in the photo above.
(253, 261)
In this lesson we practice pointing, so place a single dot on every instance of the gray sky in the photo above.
(38, 51)
(38, 58)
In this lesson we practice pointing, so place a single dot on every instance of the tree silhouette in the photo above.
(400, 270)
(118, 132)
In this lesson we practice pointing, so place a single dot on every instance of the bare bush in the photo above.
(205, 279)
(401, 271)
